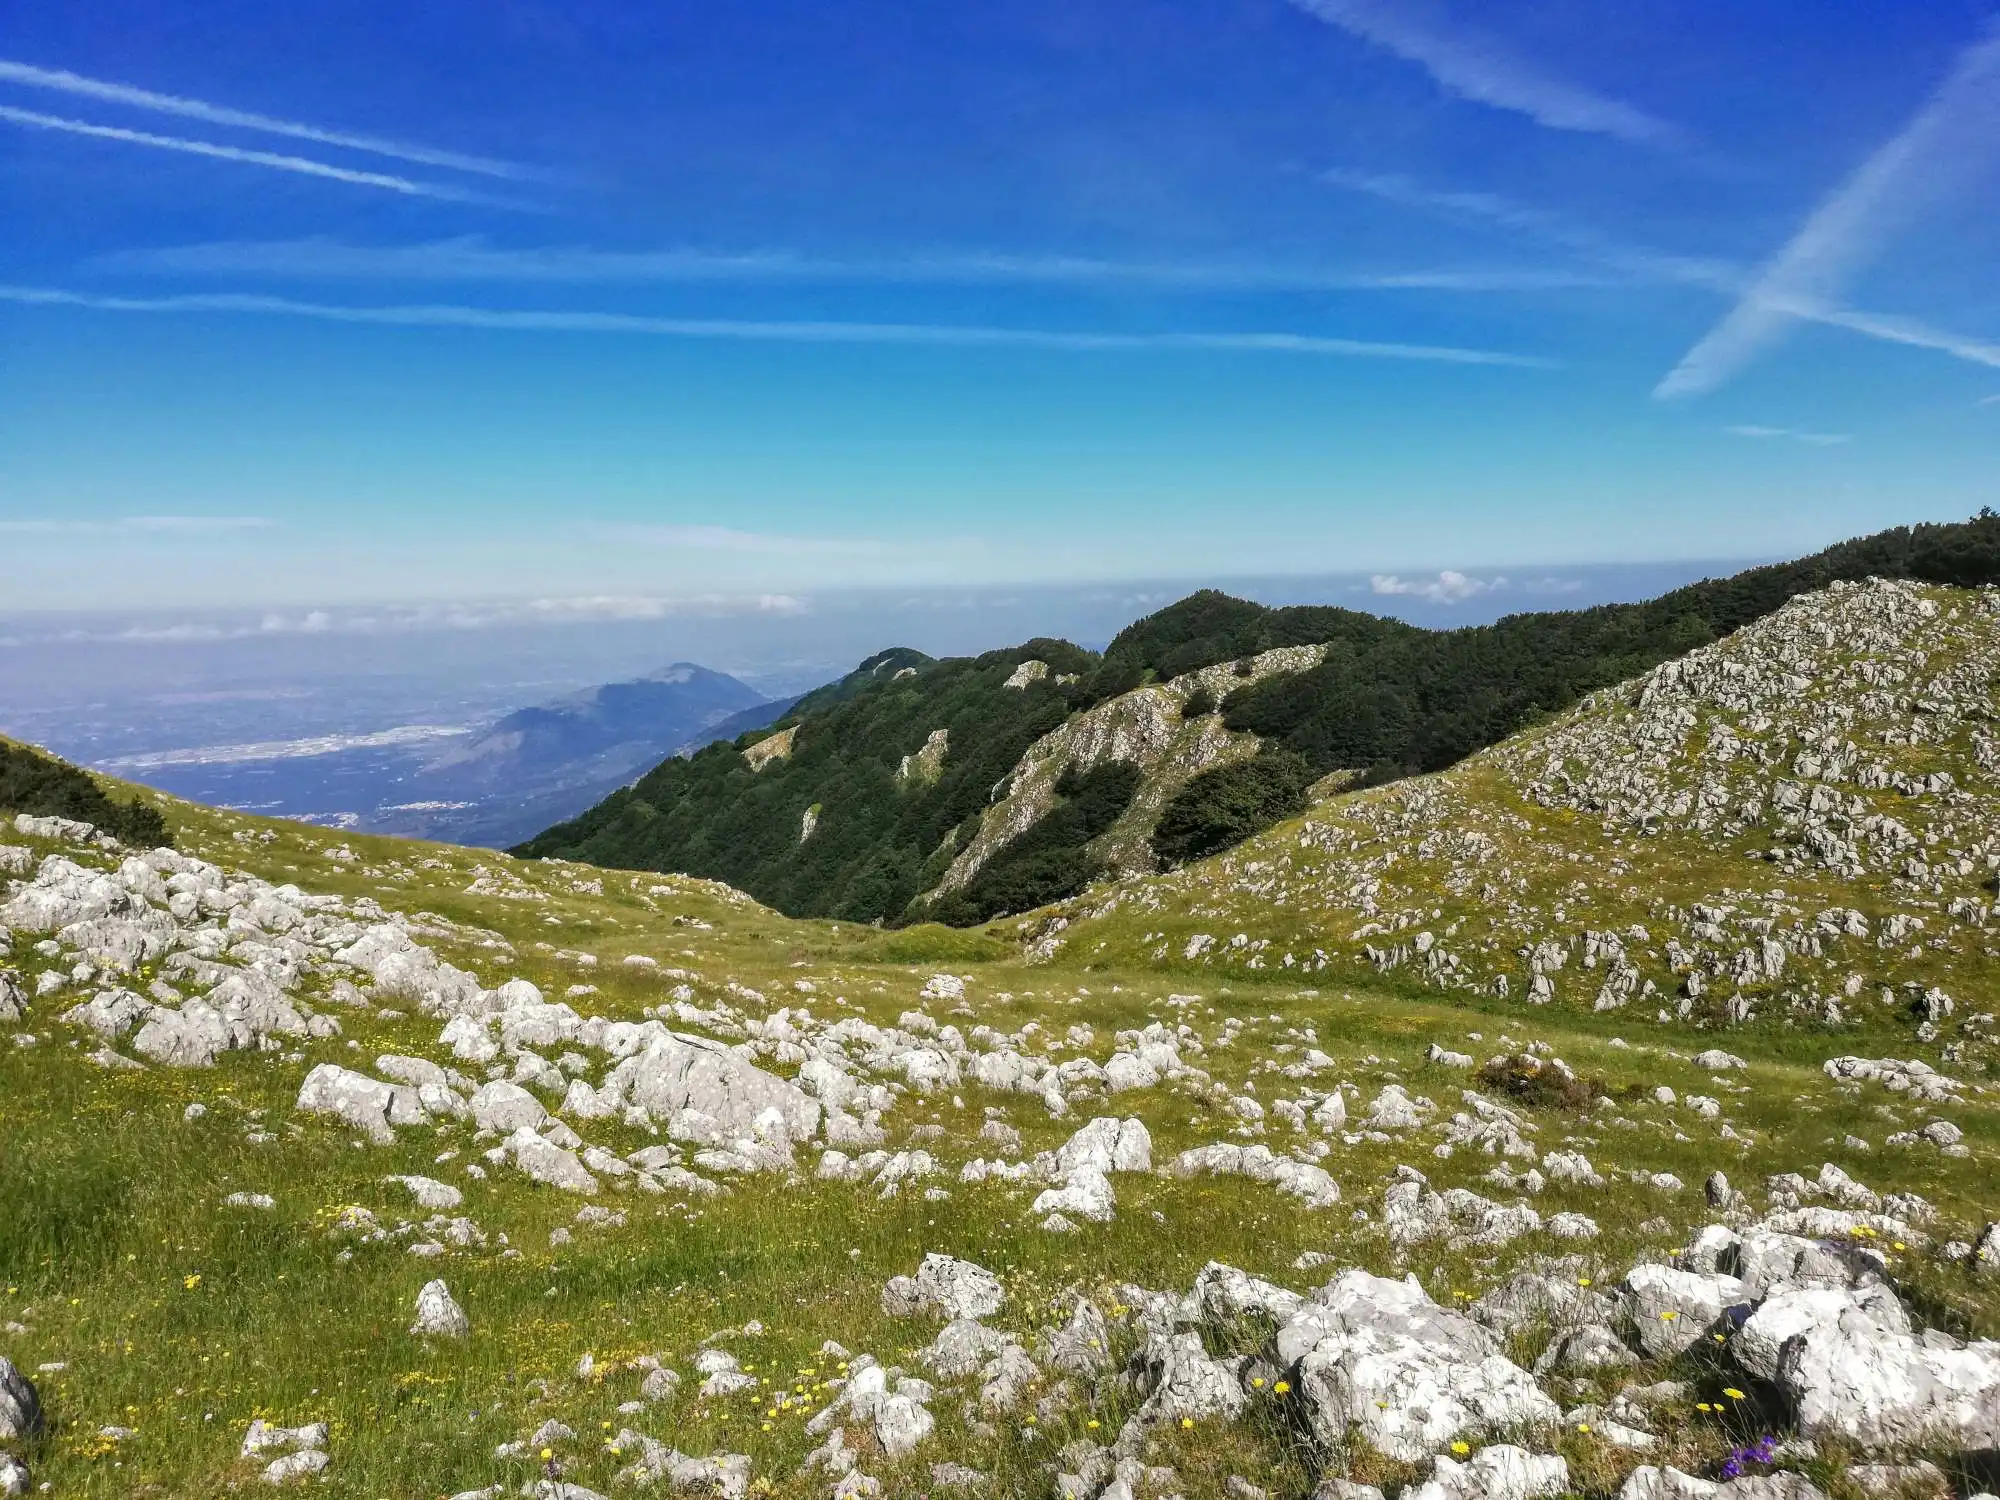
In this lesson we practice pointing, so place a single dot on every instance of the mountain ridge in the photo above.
(1341, 695)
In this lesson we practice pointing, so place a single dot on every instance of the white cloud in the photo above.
(313, 622)
(304, 166)
(1481, 68)
(141, 525)
(932, 334)
(1816, 439)
(63, 81)
(472, 258)
(641, 607)
(1944, 144)
(1448, 587)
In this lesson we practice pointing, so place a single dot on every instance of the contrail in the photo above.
(1481, 69)
(1949, 138)
(216, 114)
(309, 168)
(953, 335)
(1646, 264)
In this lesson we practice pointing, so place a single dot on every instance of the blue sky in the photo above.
(358, 301)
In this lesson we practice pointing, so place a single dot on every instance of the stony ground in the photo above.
(395, 1170)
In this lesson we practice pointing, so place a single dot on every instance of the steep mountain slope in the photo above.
(1803, 820)
(1148, 730)
(541, 764)
(1228, 712)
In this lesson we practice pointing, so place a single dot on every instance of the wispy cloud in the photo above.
(1448, 587)
(299, 164)
(1485, 70)
(395, 619)
(473, 258)
(136, 525)
(763, 543)
(75, 84)
(1792, 434)
(1636, 262)
(1644, 264)
(1951, 137)
(931, 334)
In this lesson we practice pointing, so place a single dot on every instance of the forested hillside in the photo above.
(861, 801)
(842, 811)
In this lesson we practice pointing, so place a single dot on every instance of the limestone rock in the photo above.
(438, 1316)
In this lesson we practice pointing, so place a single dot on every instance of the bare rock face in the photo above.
(1408, 1397)
(1144, 728)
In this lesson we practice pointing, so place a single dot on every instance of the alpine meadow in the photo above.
(1062, 750)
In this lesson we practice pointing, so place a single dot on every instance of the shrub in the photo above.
(32, 782)
(1529, 1080)
(1225, 805)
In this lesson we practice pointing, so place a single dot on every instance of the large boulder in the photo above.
(506, 1107)
(1379, 1357)
(1184, 1381)
(1759, 1345)
(1301, 1180)
(543, 1161)
(368, 1104)
(1108, 1145)
(192, 1037)
(64, 893)
(944, 1285)
(708, 1094)
(438, 1315)
(1850, 1368)
(959, 1288)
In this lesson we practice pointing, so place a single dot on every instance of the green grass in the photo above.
(183, 1320)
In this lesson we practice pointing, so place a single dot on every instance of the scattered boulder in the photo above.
(438, 1315)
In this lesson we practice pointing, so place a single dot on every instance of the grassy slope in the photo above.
(1477, 860)
(182, 1319)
